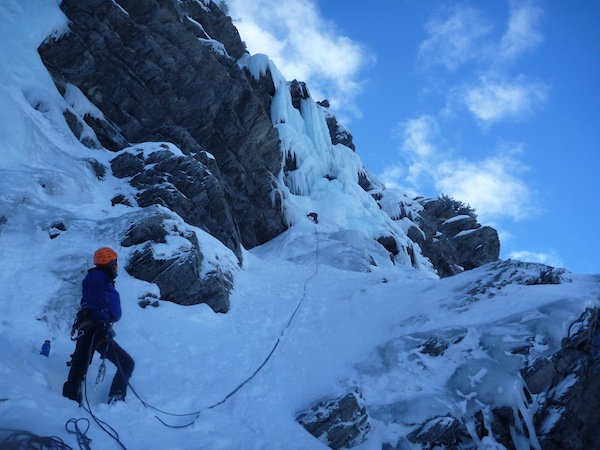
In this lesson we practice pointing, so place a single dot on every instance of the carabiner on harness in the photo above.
(101, 373)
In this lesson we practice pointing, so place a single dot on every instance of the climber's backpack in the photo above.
(83, 322)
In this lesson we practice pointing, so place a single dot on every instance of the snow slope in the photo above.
(352, 329)
(334, 323)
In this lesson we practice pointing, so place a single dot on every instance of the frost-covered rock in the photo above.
(166, 252)
(338, 423)
(448, 234)
(525, 380)
(144, 73)
(567, 387)
(188, 185)
(497, 275)
(444, 432)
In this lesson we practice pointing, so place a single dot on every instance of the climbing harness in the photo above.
(82, 323)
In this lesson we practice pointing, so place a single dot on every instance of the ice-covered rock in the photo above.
(567, 388)
(184, 184)
(338, 423)
(167, 252)
(450, 236)
(142, 74)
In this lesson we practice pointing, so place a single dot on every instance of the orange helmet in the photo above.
(104, 256)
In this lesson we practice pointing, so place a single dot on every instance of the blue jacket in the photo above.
(100, 296)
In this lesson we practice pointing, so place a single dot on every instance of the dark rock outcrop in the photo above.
(338, 133)
(299, 92)
(166, 70)
(451, 238)
(56, 229)
(339, 423)
(570, 383)
(440, 432)
(185, 184)
(390, 244)
(178, 274)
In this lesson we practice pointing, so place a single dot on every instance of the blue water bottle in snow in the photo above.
(45, 348)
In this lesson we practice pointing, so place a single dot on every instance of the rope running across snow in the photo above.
(84, 441)
(282, 331)
(249, 378)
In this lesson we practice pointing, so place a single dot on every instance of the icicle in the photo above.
(523, 438)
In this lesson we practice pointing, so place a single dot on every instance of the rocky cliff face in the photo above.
(451, 237)
(168, 72)
(567, 388)
(560, 392)
(142, 66)
(446, 230)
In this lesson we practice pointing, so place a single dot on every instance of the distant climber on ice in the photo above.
(100, 307)
(314, 216)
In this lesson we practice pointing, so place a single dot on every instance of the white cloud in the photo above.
(419, 137)
(462, 37)
(495, 99)
(522, 32)
(549, 258)
(454, 38)
(492, 186)
(462, 34)
(304, 46)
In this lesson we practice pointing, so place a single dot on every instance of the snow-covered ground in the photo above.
(352, 329)
(337, 321)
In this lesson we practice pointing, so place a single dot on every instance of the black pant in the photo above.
(98, 340)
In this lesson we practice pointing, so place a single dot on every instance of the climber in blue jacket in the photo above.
(100, 308)
(100, 295)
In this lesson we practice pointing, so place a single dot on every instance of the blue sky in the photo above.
(496, 104)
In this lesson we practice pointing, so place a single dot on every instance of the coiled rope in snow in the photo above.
(21, 439)
(24, 439)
